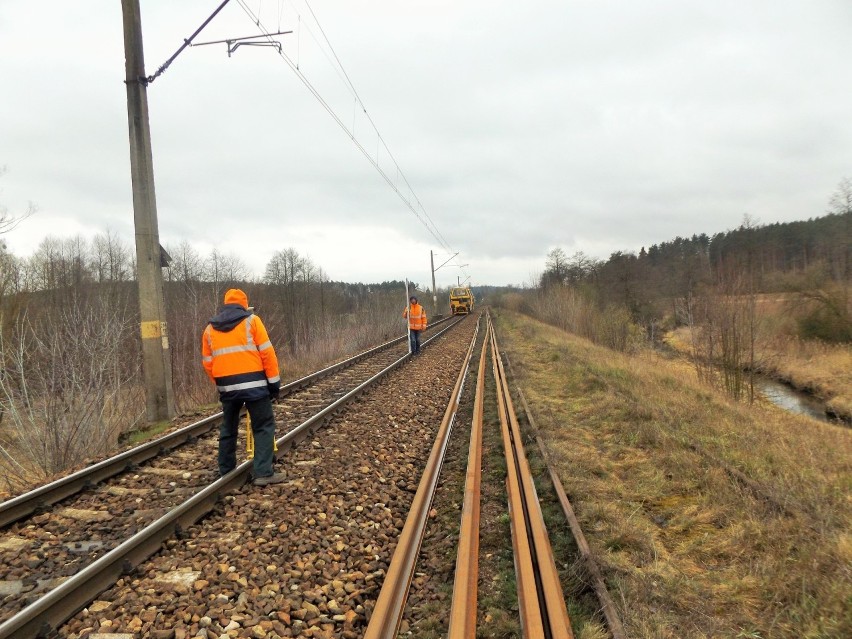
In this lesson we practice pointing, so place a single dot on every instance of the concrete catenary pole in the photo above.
(156, 359)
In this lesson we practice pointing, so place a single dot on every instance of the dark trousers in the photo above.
(414, 338)
(263, 429)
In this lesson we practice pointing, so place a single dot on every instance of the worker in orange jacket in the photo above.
(416, 315)
(239, 358)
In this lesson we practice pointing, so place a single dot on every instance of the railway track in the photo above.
(294, 397)
(542, 604)
(171, 482)
(332, 552)
(542, 608)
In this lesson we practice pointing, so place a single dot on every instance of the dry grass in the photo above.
(646, 454)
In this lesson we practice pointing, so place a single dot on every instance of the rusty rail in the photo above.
(463, 611)
(387, 615)
(540, 598)
(608, 608)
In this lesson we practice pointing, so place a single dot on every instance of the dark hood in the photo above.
(228, 317)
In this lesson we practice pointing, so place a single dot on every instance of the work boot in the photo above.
(275, 478)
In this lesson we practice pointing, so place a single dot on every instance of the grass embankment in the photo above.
(648, 457)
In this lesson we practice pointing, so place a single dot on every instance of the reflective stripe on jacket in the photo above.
(416, 318)
(241, 361)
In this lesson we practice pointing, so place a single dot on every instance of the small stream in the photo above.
(790, 399)
(785, 396)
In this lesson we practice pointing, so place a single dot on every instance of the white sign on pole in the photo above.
(408, 314)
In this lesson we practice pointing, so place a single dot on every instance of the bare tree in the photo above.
(840, 258)
(11, 273)
(724, 326)
(69, 388)
(841, 201)
(224, 271)
(556, 268)
(187, 265)
(111, 258)
(8, 221)
(190, 302)
(60, 264)
(233, 269)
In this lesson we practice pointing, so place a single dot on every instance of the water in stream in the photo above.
(790, 399)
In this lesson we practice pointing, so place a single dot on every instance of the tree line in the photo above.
(712, 284)
(812, 258)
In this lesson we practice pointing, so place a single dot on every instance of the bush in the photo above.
(567, 308)
(823, 324)
(69, 387)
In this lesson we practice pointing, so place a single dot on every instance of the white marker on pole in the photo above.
(408, 314)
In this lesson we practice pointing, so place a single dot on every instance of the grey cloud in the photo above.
(596, 126)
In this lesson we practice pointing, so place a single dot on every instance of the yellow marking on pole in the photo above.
(151, 329)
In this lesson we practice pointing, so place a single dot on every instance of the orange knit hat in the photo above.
(236, 296)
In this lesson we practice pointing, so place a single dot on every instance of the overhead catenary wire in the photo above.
(421, 214)
(370, 119)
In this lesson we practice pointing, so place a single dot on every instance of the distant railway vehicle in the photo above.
(461, 301)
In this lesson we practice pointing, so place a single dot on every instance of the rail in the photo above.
(542, 608)
(541, 602)
(608, 608)
(465, 587)
(387, 614)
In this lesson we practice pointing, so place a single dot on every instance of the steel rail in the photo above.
(542, 603)
(610, 612)
(387, 615)
(60, 604)
(30, 502)
(528, 604)
(465, 586)
(608, 607)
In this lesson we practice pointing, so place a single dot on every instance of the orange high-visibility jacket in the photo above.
(237, 354)
(417, 317)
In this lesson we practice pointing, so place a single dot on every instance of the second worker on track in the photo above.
(239, 358)
(416, 315)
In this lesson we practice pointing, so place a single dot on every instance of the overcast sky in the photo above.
(594, 125)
